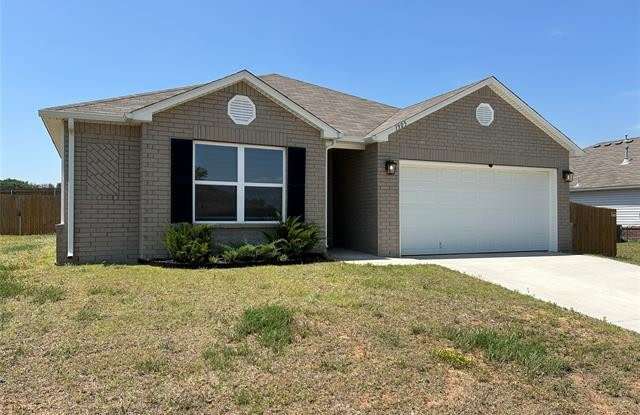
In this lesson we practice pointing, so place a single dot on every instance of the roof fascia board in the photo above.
(506, 94)
(384, 135)
(78, 115)
(598, 189)
(515, 101)
(145, 114)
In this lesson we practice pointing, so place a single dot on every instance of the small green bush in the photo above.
(262, 253)
(294, 237)
(190, 244)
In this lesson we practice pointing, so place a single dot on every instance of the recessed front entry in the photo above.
(448, 208)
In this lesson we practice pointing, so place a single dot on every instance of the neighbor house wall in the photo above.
(626, 202)
(106, 187)
(206, 118)
(453, 134)
(354, 201)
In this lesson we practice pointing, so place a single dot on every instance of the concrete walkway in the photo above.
(598, 287)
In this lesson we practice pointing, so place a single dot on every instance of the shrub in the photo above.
(246, 252)
(294, 238)
(189, 243)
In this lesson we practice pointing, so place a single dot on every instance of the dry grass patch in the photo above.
(629, 252)
(316, 338)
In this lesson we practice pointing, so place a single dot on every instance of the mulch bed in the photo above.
(170, 263)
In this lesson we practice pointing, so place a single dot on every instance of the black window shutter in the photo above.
(296, 168)
(181, 187)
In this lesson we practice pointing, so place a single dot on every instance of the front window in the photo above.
(238, 183)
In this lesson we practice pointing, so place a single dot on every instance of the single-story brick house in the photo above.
(608, 175)
(471, 170)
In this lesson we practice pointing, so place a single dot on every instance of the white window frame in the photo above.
(239, 184)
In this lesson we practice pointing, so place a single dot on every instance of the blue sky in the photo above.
(577, 63)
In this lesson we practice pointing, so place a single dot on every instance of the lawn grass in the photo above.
(629, 252)
(316, 338)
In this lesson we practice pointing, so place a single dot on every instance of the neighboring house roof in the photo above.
(602, 166)
(336, 114)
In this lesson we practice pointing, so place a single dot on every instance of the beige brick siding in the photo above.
(107, 187)
(206, 118)
(355, 199)
(453, 134)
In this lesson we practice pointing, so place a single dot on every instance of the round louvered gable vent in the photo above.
(484, 114)
(241, 110)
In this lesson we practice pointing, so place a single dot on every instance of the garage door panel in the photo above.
(458, 209)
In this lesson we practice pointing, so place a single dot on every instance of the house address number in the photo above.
(401, 125)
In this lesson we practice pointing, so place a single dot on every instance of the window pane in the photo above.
(215, 203)
(262, 203)
(262, 166)
(218, 163)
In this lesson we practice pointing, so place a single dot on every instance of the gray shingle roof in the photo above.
(119, 106)
(351, 115)
(412, 110)
(601, 166)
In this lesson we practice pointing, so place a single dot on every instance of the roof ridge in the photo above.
(137, 94)
(601, 143)
(329, 89)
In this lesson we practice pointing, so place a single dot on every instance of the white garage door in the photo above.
(450, 208)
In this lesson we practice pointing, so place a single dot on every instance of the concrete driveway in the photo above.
(598, 287)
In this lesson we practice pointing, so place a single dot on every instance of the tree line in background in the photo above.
(17, 184)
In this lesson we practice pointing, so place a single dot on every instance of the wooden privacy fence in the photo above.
(28, 212)
(593, 230)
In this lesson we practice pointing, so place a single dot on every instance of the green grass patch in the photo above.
(47, 293)
(611, 385)
(334, 365)
(10, 287)
(452, 357)
(391, 338)
(105, 290)
(507, 347)
(221, 357)
(12, 249)
(151, 365)
(88, 314)
(5, 318)
(418, 329)
(272, 324)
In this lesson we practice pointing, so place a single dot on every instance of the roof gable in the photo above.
(418, 111)
(145, 113)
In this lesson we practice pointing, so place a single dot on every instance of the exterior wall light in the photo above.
(567, 176)
(390, 167)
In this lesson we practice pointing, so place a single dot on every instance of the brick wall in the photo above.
(206, 118)
(630, 233)
(355, 199)
(106, 193)
(453, 134)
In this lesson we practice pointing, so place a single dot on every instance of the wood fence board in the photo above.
(28, 213)
(593, 230)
